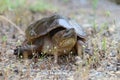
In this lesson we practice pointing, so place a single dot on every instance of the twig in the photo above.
(17, 27)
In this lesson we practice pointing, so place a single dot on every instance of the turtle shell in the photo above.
(53, 24)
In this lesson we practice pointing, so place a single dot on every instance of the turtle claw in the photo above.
(17, 50)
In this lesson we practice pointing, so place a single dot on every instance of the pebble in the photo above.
(101, 74)
(9, 51)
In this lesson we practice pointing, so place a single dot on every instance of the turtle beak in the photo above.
(69, 33)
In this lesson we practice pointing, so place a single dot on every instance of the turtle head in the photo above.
(65, 38)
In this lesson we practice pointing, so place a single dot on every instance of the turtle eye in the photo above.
(31, 34)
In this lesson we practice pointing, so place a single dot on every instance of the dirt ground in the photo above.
(102, 26)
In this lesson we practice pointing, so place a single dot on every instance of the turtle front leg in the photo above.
(79, 48)
(55, 53)
(56, 65)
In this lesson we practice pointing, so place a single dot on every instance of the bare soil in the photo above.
(102, 26)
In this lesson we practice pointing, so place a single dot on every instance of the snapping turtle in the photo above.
(54, 35)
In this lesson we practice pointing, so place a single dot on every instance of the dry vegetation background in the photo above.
(99, 18)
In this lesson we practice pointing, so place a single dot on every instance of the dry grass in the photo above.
(102, 42)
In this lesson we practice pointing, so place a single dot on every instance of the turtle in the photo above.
(55, 35)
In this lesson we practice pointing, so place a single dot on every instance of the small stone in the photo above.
(9, 51)
(13, 36)
(112, 54)
(16, 71)
(78, 60)
(1, 74)
(0, 60)
(117, 72)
